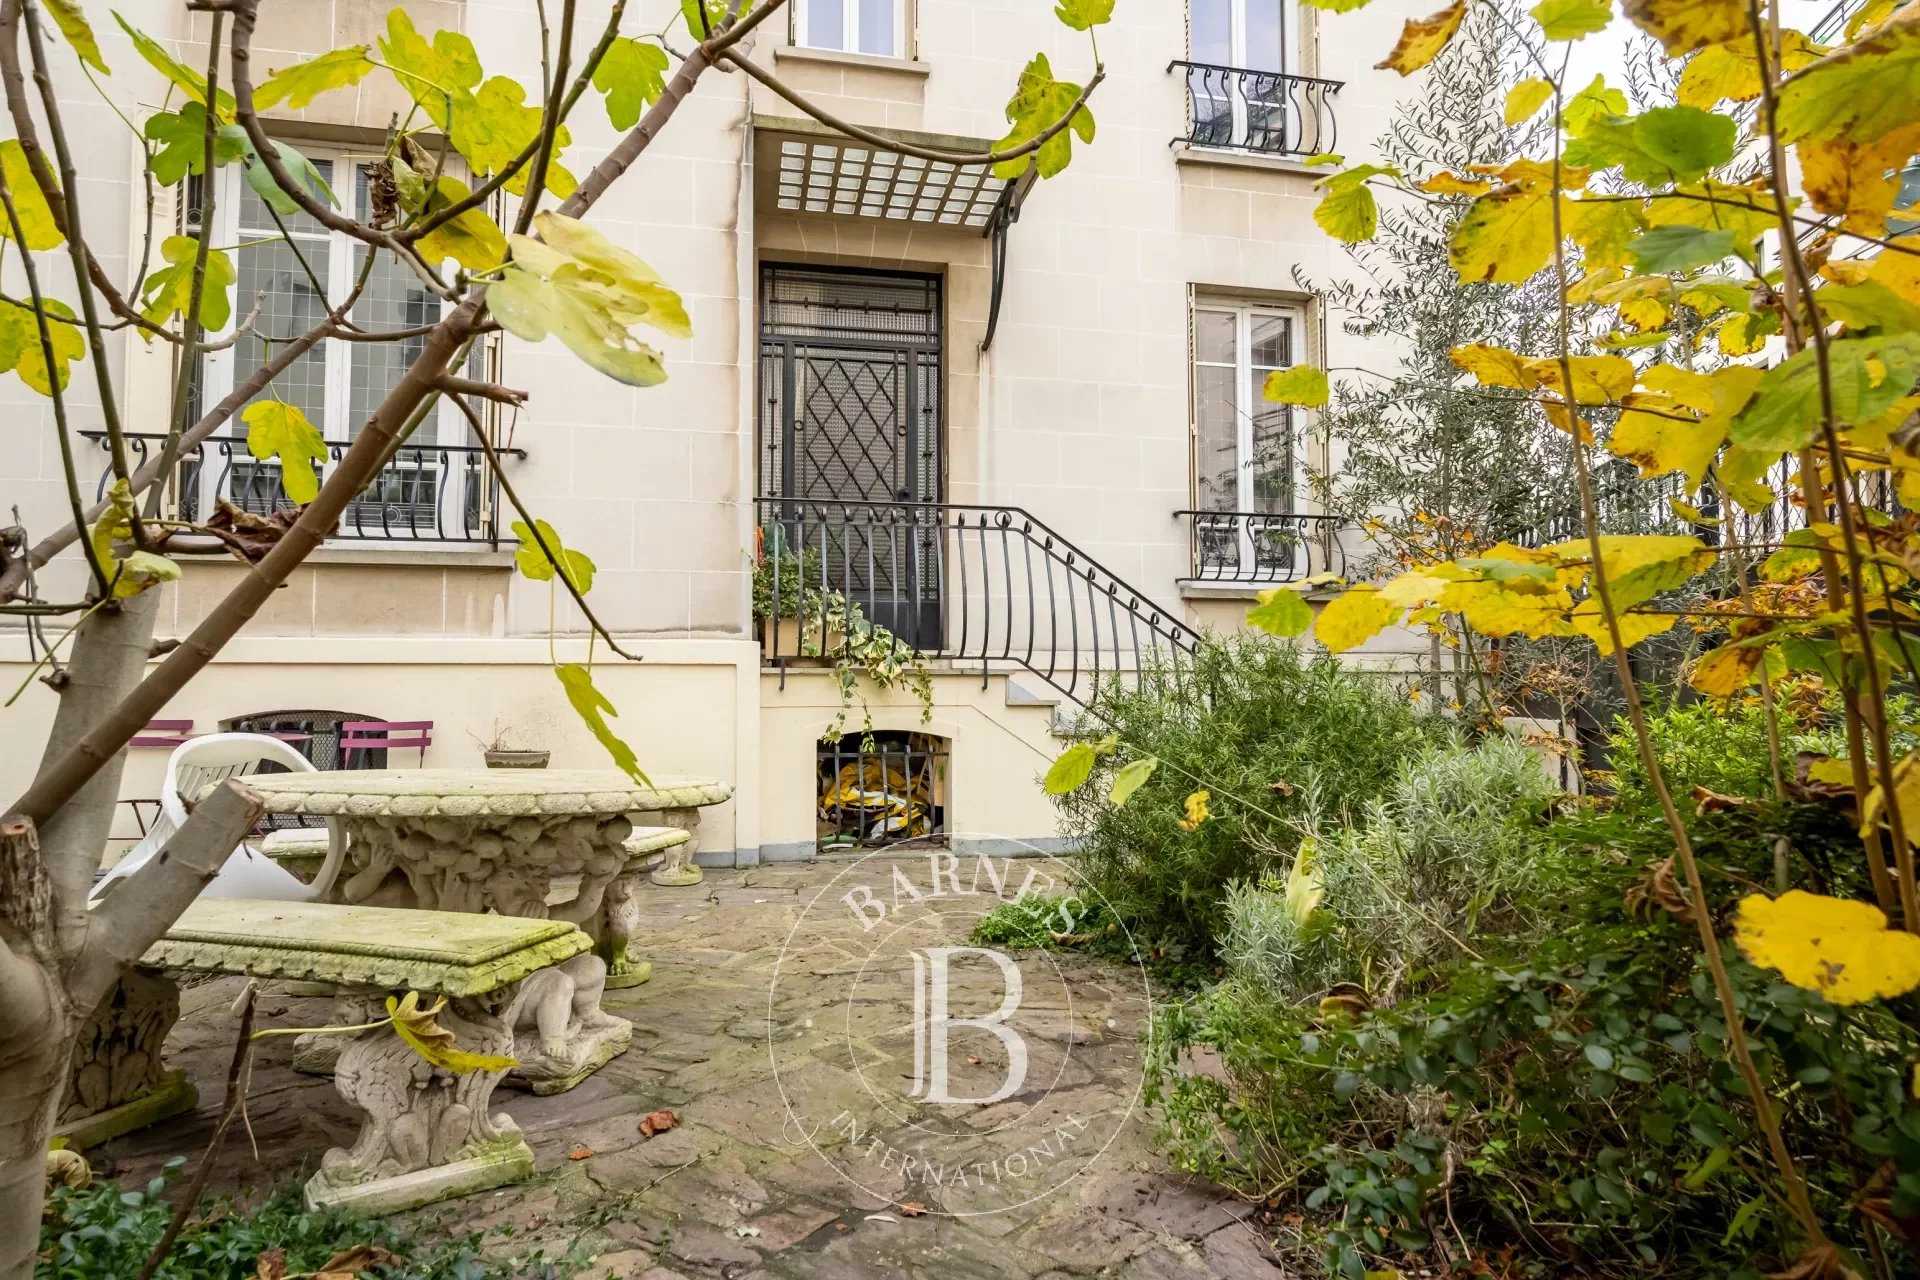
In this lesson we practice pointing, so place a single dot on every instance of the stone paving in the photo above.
(758, 1178)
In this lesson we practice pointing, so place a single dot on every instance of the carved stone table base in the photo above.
(426, 1133)
(678, 870)
(561, 1034)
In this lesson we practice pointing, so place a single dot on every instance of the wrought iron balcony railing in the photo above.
(1260, 111)
(1255, 547)
(990, 588)
(440, 493)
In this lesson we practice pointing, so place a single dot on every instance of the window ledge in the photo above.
(446, 556)
(1215, 589)
(838, 58)
(1228, 158)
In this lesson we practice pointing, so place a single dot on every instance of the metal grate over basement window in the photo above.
(831, 177)
(881, 789)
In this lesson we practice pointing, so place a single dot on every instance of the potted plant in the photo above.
(499, 755)
(803, 621)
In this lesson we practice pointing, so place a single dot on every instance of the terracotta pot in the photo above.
(503, 759)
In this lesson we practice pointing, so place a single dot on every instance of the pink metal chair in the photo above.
(163, 733)
(360, 736)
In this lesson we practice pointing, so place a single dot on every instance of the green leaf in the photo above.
(1600, 1056)
(1282, 612)
(592, 707)
(276, 429)
(29, 202)
(183, 77)
(1038, 103)
(1129, 778)
(716, 13)
(1572, 19)
(1868, 305)
(1866, 374)
(473, 239)
(298, 168)
(169, 290)
(632, 76)
(533, 562)
(1595, 102)
(1347, 210)
(1863, 92)
(1302, 384)
(114, 526)
(1666, 249)
(493, 126)
(1710, 1164)
(589, 293)
(143, 569)
(1659, 147)
(78, 32)
(299, 84)
(1306, 885)
(182, 146)
(1071, 771)
(23, 336)
(1082, 14)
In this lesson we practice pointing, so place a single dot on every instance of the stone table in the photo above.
(505, 840)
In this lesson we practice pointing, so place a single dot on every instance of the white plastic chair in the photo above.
(192, 768)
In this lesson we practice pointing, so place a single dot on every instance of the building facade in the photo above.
(1018, 424)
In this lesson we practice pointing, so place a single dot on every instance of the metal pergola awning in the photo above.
(804, 167)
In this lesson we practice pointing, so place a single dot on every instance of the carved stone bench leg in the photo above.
(117, 1082)
(427, 1134)
(619, 918)
(677, 869)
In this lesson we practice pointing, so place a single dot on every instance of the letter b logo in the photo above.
(932, 1021)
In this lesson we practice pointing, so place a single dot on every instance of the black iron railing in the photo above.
(988, 588)
(1261, 111)
(425, 493)
(1625, 503)
(1255, 547)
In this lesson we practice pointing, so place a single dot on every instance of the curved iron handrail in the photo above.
(1270, 548)
(968, 582)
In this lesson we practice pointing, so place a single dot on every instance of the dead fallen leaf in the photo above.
(657, 1122)
(272, 1265)
(349, 1263)
(580, 1153)
(1707, 801)
(841, 1226)
(913, 1209)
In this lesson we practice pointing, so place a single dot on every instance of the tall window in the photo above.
(852, 26)
(1243, 49)
(1246, 449)
(337, 384)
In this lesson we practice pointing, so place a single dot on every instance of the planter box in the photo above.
(797, 640)
(498, 759)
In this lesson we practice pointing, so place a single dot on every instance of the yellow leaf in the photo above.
(1900, 271)
(1495, 366)
(1685, 25)
(1634, 627)
(1198, 807)
(1354, 617)
(29, 202)
(1566, 420)
(1657, 434)
(1906, 794)
(1603, 228)
(1526, 98)
(1731, 70)
(1746, 209)
(1858, 180)
(1422, 39)
(423, 1033)
(1411, 589)
(1447, 183)
(1836, 946)
(1505, 237)
(1864, 91)
(1494, 610)
(1596, 379)
(1305, 885)
(1737, 337)
(1726, 670)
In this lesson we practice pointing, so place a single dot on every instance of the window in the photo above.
(1246, 449)
(1242, 82)
(852, 26)
(425, 492)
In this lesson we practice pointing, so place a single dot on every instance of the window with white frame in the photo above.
(428, 491)
(1241, 84)
(1246, 448)
(1251, 35)
(852, 26)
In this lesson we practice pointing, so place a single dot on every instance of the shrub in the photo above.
(1452, 845)
(102, 1231)
(1566, 1093)
(1274, 735)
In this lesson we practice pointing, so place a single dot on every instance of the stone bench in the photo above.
(303, 852)
(515, 986)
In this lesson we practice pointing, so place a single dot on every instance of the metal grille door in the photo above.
(850, 394)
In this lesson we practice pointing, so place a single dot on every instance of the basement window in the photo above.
(880, 789)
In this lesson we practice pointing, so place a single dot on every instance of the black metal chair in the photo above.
(314, 734)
